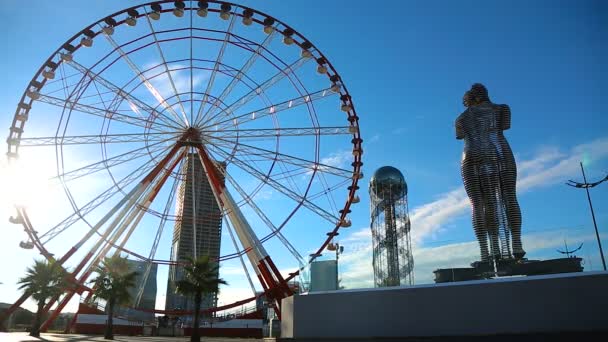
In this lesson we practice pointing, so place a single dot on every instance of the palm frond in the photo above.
(114, 279)
(200, 276)
(45, 279)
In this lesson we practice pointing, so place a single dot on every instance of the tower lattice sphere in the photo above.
(390, 224)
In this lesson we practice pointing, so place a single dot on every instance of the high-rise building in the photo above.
(197, 230)
(143, 294)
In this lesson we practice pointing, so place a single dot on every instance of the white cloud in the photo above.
(227, 270)
(231, 294)
(561, 168)
(361, 234)
(429, 218)
(338, 159)
(356, 261)
(264, 194)
(180, 74)
(399, 130)
(547, 154)
(163, 89)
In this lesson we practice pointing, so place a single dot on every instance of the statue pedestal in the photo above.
(508, 267)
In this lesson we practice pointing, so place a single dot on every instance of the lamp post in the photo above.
(586, 186)
(339, 250)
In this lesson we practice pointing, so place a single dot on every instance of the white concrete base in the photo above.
(574, 302)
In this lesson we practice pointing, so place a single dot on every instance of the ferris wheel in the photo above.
(126, 108)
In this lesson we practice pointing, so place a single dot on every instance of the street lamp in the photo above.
(586, 186)
(339, 250)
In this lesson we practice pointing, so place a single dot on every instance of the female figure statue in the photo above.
(489, 174)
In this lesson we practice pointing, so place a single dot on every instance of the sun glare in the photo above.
(27, 181)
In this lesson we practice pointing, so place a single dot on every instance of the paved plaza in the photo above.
(23, 337)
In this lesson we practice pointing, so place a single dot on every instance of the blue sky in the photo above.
(406, 65)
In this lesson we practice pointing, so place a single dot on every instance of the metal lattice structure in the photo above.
(390, 224)
(489, 174)
(122, 105)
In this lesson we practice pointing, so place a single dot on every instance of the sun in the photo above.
(28, 182)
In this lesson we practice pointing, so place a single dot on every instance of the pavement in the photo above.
(49, 337)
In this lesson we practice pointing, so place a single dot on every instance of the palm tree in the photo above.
(200, 277)
(112, 283)
(44, 280)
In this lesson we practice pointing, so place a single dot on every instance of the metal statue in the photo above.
(489, 174)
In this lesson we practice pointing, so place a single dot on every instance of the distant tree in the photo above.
(113, 281)
(44, 280)
(21, 316)
(200, 278)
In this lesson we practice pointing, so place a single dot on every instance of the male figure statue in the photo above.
(489, 174)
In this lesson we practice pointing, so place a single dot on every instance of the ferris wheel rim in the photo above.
(14, 139)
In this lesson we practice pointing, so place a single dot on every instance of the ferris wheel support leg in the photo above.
(286, 290)
(72, 323)
(140, 188)
(90, 269)
(273, 303)
(86, 259)
(276, 287)
(269, 275)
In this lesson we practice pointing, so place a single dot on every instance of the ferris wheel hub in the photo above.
(191, 137)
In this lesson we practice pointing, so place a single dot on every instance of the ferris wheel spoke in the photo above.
(327, 191)
(100, 112)
(288, 175)
(239, 75)
(140, 209)
(147, 83)
(96, 139)
(133, 101)
(222, 123)
(260, 213)
(110, 162)
(309, 165)
(98, 200)
(275, 133)
(131, 196)
(159, 233)
(164, 62)
(286, 72)
(101, 100)
(330, 189)
(299, 199)
(216, 66)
